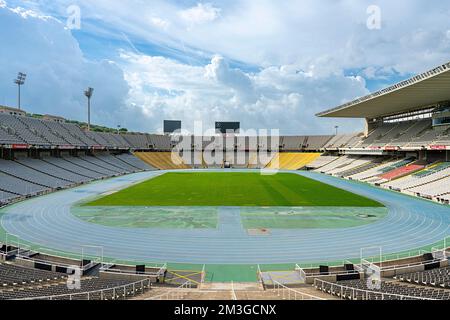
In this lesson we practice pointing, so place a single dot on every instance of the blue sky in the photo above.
(269, 64)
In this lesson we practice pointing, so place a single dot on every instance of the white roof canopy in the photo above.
(418, 92)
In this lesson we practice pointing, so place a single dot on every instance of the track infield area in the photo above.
(233, 190)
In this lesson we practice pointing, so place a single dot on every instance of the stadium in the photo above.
(90, 215)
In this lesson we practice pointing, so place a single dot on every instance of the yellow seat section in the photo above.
(162, 160)
(292, 161)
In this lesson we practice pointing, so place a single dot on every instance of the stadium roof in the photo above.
(420, 91)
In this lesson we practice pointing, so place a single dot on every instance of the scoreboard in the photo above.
(228, 127)
(171, 126)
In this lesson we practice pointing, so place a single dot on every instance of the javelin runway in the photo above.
(47, 221)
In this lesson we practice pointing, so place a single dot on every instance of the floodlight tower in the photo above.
(337, 129)
(20, 81)
(88, 93)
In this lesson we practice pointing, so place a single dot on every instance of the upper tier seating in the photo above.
(394, 132)
(444, 139)
(139, 141)
(30, 136)
(112, 140)
(343, 141)
(293, 143)
(63, 131)
(413, 131)
(429, 137)
(7, 138)
(377, 134)
(401, 134)
(314, 143)
(81, 135)
(158, 142)
(38, 126)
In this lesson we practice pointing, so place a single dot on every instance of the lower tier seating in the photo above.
(434, 278)
(292, 161)
(388, 290)
(27, 177)
(162, 160)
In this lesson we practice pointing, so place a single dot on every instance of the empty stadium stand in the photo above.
(401, 172)
(24, 177)
(162, 160)
(431, 278)
(17, 282)
(12, 275)
(132, 161)
(431, 174)
(292, 161)
(388, 290)
(322, 161)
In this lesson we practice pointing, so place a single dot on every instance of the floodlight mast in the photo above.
(20, 81)
(337, 129)
(88, 93)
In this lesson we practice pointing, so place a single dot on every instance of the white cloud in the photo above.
(235, 79)
(201, 13)
(300, 47)
(57, 70)
(275, 98)
(160, 23)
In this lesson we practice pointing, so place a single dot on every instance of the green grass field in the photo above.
(234, 190)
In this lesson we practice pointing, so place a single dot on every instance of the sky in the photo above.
(266, 63)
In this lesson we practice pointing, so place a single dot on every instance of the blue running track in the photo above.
(47, 222)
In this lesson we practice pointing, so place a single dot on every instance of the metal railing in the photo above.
(360, 294)
(287, 293)
(203, 277)
(159, 270)
(174, 294)
(233, 292)
(115, 293)
(385, 258)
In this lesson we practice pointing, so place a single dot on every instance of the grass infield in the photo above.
(234, 190)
